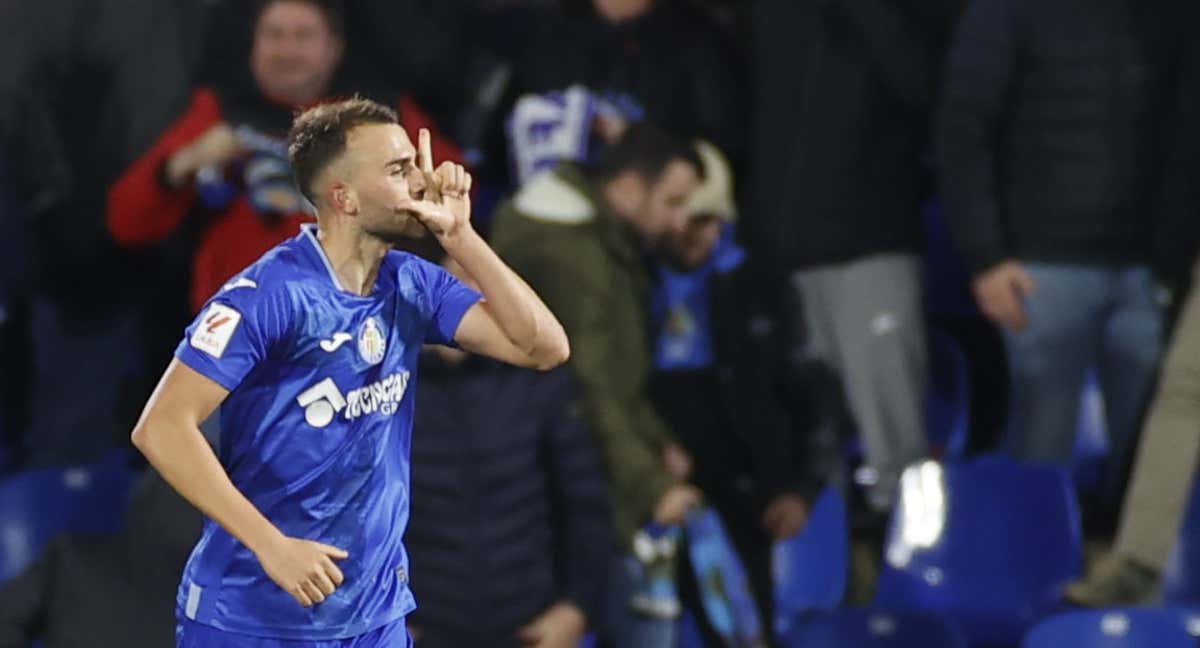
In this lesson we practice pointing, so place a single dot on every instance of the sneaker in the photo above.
(1116, 581)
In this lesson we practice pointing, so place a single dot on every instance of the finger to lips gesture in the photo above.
(450, 179)
(433, 182)
(446, 204)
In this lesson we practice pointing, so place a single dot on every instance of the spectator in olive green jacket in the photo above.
(578, 235)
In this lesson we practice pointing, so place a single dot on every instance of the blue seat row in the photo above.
(37, 505)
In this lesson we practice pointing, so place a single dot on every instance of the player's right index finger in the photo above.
(425, 151)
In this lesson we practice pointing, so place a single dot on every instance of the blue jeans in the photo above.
(624, 627)
(1079, 318)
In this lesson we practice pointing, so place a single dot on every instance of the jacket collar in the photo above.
(566, 197)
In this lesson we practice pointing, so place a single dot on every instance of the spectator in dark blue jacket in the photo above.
(511, 530)
(1051, 155)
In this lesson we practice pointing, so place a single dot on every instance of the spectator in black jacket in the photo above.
(713, 385)
(844, 91)
(1051, 157)
(510, 536)
(116, 590)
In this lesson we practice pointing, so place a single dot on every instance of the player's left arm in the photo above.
(511, 323)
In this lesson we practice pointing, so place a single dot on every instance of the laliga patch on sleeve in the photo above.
(215, 329)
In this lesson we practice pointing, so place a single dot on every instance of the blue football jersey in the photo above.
(316, 431)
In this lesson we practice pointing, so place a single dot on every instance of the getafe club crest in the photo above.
(371, 341)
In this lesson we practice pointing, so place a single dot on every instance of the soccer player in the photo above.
(311, 355)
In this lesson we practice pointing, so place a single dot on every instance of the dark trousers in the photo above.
(694, 408)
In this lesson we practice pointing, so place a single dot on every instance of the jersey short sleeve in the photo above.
(233, 333)
(447, 300)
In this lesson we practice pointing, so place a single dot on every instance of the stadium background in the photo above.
(854, 130)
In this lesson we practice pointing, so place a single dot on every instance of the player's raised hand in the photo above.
(304, 569)
(433, 183)
(445, 207)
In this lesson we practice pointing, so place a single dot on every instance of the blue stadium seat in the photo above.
(990, 543)
(947, 411)
(1181, 578)
(810, 569)
(1124, 628)
(1188, 618)
(37, 505)
(864, 628)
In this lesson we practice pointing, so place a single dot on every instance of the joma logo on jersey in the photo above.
(324, 400)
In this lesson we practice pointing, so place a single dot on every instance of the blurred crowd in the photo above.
(763, 224)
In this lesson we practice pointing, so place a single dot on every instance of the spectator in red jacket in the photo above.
(224, 162)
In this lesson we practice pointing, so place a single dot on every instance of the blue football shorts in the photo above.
(189, 634)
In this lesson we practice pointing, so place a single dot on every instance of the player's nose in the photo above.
(416, 184)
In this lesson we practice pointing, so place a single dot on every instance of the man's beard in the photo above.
(394, 232)
(675, 261)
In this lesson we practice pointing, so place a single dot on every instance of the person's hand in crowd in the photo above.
(217, 147)
(785, 516)
(560, 626)
(675, 504)
(303, 568)
(1000, 292)
(678, 461)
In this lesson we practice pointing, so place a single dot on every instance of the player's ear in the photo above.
(343, 198)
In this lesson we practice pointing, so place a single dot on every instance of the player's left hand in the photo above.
(560, 626)
(785, 516)
(445, 207)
